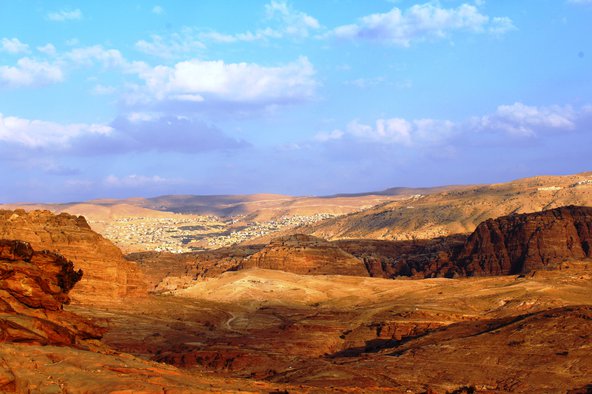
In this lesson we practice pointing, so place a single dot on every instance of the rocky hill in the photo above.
(108, 276)
(423, 258)
(454, 211)
(508, 245)
(514, 244)
(518, 244)
(33, 288)
(166, 271)
(303, 254)
(46, 349)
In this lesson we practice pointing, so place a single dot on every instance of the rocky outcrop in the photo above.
(306, 255)
(33, 288)
(514, 244)
(517, 244)
(108, 276)
(165, 271)
(422, 258)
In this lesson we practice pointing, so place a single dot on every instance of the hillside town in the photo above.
(188, 233)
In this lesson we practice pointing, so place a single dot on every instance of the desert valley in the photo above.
(462, 289)
(295, 196)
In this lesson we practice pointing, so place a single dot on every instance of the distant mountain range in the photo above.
(396, 213)
(452, 210)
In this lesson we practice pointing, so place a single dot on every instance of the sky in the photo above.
(110, 99)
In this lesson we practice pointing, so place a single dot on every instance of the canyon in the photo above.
(488, 303)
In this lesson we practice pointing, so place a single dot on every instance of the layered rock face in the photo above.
(306, 255)
(518, 244)
(33, 288)
(424, 258)
(108, 276)
(166, 271)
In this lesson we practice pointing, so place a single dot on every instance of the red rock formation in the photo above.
(308, 255)
(517, 244)
(165, 271)
(422, 258)
(33, 288)
(108, 276)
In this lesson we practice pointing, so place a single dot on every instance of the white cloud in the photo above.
(109, 58)
(88, 55)
(293, 22)
(420, 22)
(136, 180)
(217, 81)
(402, 131)
(13, 45)
(48, 49)
(395, 130)
(501, 25)
(103, 90)
(30, 72)
(43, 134)
(176, 44)
(285, 21)
(158, 10)
(138, 132)
(72, 42)
(65, 15)
(136, 117)
(515, 120)
(525, 120)
(333, 135)
(364, 83)
(261, 34)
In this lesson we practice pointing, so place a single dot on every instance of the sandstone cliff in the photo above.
(514, 244)
(108, 276)
(517, 244)
(422, 258)
(33, 288)
(308, 255)
(166, 271)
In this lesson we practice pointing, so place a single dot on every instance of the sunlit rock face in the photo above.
(108, 276)
(517, 244)
(307, 255)
(33, 288)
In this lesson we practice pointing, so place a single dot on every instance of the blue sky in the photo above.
(121, 99)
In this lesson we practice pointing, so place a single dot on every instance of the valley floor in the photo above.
(322, 333)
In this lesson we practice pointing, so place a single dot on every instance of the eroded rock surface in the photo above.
(513, 244)
(108, 276)
(165, 271)
(33, 288)
(307, 255)
(423, 258)
(518, 244)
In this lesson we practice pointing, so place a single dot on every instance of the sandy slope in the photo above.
(498, 334)
(455, 211)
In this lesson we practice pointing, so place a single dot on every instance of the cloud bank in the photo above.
(421, 22)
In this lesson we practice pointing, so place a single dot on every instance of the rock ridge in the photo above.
(306, 255)
(109, 276)
(521, 243)
(34, 287)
